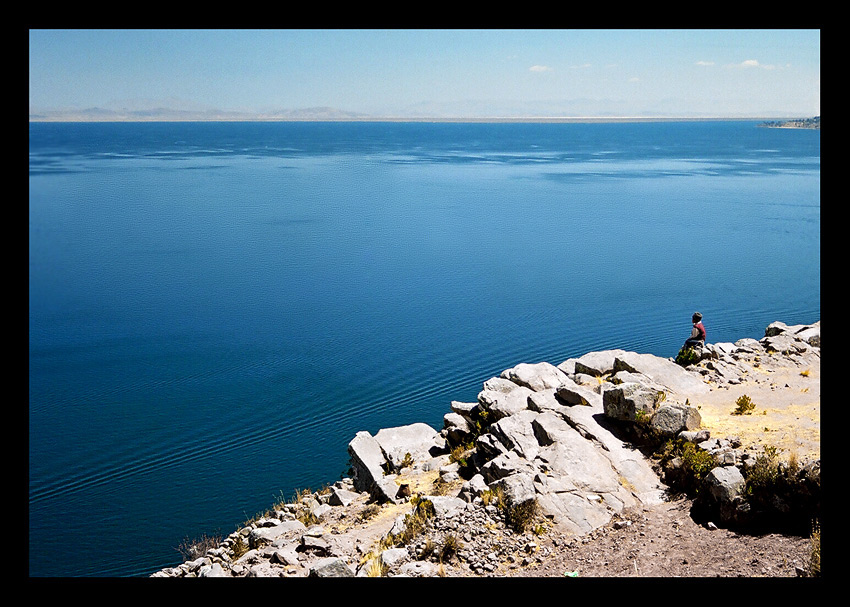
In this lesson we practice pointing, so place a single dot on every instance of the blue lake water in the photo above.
(215, 310)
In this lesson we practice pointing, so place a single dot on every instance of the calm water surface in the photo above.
(216, 309)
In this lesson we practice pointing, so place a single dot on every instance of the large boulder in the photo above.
(809, 334)
(721, 494)
(672, 418)
(505, 464)
(457, 428)
(784, 343)
(262, 536)
(502, 403)
(214, 570)
(597, 363)
(445, 506)
(573, 394)
(778, 328)
(469, 411)
(499, 384)
(342, 497)
(537, 377)
(661, 371)
(518, 488)
(367, 461)
(516, 433)
(630, 401)
(417, 441)
(724, 483)
(473, 488)
(546, 400)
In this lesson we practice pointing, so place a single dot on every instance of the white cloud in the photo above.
(634, 79)
(750, 63)
(540, 68)
(705, 62)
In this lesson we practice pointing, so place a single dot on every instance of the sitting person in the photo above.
(697, 337)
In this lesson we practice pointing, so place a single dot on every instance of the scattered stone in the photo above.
(331, 567)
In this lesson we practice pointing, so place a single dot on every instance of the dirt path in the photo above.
(664, 542)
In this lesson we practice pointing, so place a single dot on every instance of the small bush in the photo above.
(308, 518)
(642, 418)
(376, 568)
(762, 476)
(814, 553)
(698, 462)
(494, 496)
(459, 453)
(369, 512)
(196, 548)
(442, 487)
(686, 356)
(451, 546)
(694, 464)
(521, 516)
(238, 547)
(745, 405)
(414, 524)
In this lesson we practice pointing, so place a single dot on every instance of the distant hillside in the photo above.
(173, 115)
(798, 123)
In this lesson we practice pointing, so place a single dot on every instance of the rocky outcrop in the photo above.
(546, 439)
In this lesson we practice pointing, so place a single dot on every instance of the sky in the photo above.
(432, 72)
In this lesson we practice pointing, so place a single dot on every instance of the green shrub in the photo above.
(686, 356)
(239, 547)
(521, 516)
(642, 418)
(694, 464)
(494, 496)
(459, 453)
(698, 462)
(762, 476)
(451, 546)
(414, 524)
(745, 405)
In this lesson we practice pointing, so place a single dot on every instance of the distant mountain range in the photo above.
(98, 114)
(151, 113)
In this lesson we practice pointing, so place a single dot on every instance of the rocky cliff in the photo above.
(556, 450)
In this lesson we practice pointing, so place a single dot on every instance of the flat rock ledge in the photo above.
(539, 434)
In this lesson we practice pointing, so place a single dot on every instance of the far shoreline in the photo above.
(436, 120)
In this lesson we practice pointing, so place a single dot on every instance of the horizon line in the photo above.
(448, 119)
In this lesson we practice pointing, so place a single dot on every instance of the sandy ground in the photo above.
(786, 392)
